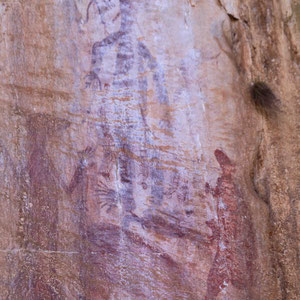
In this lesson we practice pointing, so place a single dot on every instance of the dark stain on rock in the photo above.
(264, 99)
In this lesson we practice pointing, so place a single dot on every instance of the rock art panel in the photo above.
(133, 165)
(234, 235)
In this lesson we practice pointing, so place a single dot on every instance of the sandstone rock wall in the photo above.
(133, 163)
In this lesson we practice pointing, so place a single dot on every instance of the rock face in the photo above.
(134, 164)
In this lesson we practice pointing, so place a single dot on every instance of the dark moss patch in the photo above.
(264, 99)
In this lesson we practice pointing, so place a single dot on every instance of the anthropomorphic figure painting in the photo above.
(233, 235)
(120, 69)
(37, 277)
(133, 126)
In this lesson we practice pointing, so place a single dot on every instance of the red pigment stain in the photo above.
(233, 234)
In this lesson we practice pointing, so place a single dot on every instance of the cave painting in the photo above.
(122, 72)
(124, 105)
(39, 211)
(122, 67)
(232, 232)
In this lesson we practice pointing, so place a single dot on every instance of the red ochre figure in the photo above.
(233, 234)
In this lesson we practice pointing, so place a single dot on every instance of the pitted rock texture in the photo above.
(133, 163)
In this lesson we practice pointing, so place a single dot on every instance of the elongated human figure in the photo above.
(125, 101)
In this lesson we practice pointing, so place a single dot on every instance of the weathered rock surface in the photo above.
(133, 165)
